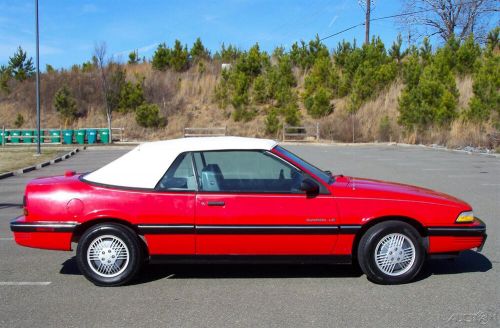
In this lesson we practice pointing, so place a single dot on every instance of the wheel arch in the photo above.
(80, 229)
(413, 222)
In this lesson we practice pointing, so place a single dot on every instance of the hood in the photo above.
(390, 190)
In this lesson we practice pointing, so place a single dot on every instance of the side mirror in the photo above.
(309, 186)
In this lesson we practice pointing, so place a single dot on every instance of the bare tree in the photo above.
(102, 63)
(448, 17)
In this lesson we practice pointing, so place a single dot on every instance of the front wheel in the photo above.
(109, 254)
(391, 252)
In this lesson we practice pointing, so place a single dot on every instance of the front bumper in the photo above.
(457, 238)
(43, 234)
(480, 248)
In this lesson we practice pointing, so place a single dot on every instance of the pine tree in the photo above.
(49, 69)
(162, 57)
(133, 57)
(198, 51)
(5, 75)
(148, 116)
(272, 122)
(19, 120)
(426, 50)
(486, 84)
(65, 104)
(395, 51)
(467, 55)
(20, 66)
(131, 96)
(229, 54)
(179, 57)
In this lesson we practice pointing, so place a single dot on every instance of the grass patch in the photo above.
(16, 158)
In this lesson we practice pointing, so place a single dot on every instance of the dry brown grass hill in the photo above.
(186, 99)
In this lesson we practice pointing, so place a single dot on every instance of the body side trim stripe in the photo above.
(456, 231)
(43, 226)
(248, 229)
(155, 229)
(54, 226)
(263, 229)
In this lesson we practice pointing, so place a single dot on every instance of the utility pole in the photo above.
(39, 136)
(367, 22)
(367, 6)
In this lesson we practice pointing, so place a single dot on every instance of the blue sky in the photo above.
(69, 29)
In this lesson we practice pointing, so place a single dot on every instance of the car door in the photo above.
(166, 216)
(250, 203)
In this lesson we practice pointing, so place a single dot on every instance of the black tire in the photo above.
(128, 268)
(368, 246)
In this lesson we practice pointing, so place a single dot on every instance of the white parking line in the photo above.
(25, 283)
(6, 239)
(462, 176)
(490, 184)
(439, 169)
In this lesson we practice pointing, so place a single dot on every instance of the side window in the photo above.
(246, 171)
(179, 176)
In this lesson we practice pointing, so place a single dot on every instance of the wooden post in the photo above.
(3, 136)
(352, 119)
(317, 131)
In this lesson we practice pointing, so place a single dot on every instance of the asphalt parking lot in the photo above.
(44, 288)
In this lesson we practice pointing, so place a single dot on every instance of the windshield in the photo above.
(308, 166)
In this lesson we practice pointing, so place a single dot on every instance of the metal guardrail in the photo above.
(205, 132)
(120, 135)
(300, 133)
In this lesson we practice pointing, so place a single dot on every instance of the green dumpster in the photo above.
(104, 134)
(68, 136)
(80, 136)
(3, 138)
(14, 136)
(35, 133)
(55, 135)
(26, 135)
(91, 136)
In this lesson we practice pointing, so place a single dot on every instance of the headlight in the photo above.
(465, 217)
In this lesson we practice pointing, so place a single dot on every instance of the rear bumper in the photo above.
(43, 234)
(457, 238)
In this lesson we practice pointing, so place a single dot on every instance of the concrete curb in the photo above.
(40, 165)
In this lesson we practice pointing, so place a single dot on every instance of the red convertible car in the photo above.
(238, 199)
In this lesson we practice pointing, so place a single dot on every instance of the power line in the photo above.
(375, 19)
(386, 17)
(340, 32)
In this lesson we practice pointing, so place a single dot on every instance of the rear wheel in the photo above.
(109, 254)
(391, 252)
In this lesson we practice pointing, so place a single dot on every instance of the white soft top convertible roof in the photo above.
(144, 165)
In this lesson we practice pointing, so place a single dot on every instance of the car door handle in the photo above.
(216, 203)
